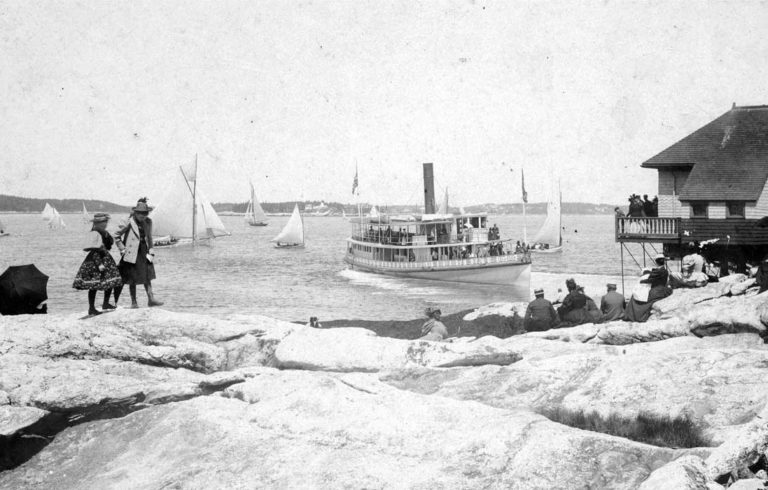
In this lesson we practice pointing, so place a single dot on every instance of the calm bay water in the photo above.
(244, 273)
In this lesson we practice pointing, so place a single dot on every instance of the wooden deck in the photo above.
(677, 230)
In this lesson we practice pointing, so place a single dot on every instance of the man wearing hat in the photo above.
(540, 314)
(134, 239)
(612, 304)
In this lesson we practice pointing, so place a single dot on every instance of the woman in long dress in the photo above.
(134, 239)
(98, 272)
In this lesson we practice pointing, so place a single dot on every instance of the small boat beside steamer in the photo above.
(441, 247)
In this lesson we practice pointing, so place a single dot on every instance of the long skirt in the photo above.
(90, 277)
(142, 272)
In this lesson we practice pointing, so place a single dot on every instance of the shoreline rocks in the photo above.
(146, 398)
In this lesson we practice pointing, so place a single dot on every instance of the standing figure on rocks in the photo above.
(134, 239)
(98, 272)
(540, 314)
(761, 278)
(612, 304)
(433, 328)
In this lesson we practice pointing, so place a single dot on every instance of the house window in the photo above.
(699, 209)
(735, 209)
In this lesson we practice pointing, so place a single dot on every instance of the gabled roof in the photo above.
(729, 157)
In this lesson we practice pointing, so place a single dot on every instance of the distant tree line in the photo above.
(514, 208)
(14, 204)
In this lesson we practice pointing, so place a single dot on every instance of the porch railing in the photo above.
(647, 229)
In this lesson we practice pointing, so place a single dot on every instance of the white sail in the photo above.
(255, 214)
(173, 215)
(444, 205)
(374, 213)
(208, 219)
(293, 232)
(550, 232)
(56, 221)
(86, 216)
(47, 213)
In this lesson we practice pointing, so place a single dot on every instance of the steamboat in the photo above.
(437, 246)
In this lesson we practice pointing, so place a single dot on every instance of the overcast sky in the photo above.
(105, 99)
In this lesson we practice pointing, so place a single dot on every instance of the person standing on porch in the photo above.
(134, 239)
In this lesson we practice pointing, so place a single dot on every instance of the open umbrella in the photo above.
(22, 289)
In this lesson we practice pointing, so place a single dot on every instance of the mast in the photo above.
(525, 200)
(194, 205)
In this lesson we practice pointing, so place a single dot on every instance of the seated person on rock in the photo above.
(573, 310)
(540, 314)
(689, 277)
(593, 312)
(644, 296)
(612, 305)
(433, 328)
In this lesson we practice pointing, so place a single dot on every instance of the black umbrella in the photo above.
(22, 289)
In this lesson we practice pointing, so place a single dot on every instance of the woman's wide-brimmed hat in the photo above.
(141, 206)
(100, 218)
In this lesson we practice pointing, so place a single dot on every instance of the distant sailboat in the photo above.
(254, 215)
(444, 205)
(184, 215)
(374, 213)
(549, 239)
(86, 216)
(53, 217)
(292, 235)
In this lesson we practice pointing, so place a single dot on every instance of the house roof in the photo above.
(729, 157)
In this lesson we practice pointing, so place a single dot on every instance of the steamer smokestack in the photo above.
(429, 190)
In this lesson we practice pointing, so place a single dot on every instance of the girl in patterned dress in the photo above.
(98, 271)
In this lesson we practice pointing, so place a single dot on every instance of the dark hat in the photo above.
(141, 206)
(100, 218)
(430, 311)
(611, 285)
(538, 292)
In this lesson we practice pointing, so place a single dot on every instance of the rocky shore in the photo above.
(153, 399)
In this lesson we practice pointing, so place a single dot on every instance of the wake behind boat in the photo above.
(292, 234)
(442, 247)
(185, 216)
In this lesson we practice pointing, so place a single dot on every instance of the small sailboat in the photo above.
(254, 215)
(52, 216)
(86, 216)
(549, 239)
(184, 215)
(292, 235)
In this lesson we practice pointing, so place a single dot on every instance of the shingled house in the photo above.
(712, 187)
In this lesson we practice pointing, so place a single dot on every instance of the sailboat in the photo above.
(292, 235)
(549, 239)
(254, 215)
(184, 215)
(53, 217)
(86, 216)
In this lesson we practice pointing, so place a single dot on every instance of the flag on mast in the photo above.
(354, 182)
(525, 194)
